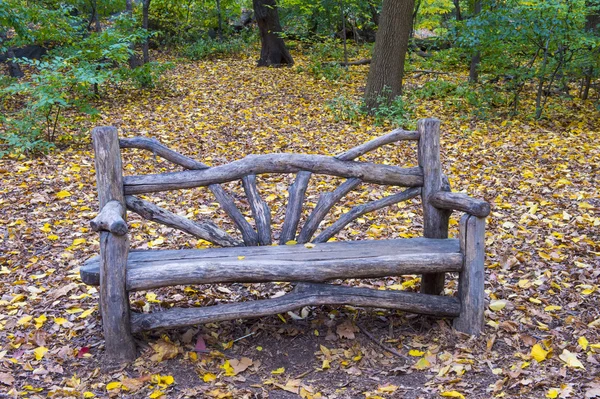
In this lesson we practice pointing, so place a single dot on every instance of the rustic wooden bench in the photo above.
(253, 259)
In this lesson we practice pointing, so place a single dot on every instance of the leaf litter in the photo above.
(542, 337)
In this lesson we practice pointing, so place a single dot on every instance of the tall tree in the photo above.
(145, 50)
(476, 57)
(592, 26)
(273, 51)
(391, 43)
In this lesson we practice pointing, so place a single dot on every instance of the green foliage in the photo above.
(207, 48)
(532, 42)
(344, 109)
(68, 80)
(396, 113)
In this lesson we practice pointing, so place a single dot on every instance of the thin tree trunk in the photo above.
(95, 18)
(391, 43)
(14, 69)
(475, 58)
(592, 22)
(273, 51)
(220, 20)
(344, 32)
(540, 90)
(145, 48)
(457, 10)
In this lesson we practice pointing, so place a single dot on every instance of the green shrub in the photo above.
(207, 48)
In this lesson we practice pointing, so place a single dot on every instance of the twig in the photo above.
(384, 347)
(245, 336)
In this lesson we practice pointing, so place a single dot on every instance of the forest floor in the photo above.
(542, 337)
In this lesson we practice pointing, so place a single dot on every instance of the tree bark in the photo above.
(145, 51)
(14, 69)
(387, 66)
(476, 57)
(592, 24)
(273, 51)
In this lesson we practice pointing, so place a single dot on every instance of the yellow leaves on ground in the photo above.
(422, 364)
(113, 385)
(63, 194)
(452, 394)
(583, 342)
(538, 353)
(24, 321)
(280, 370)
(570, 359)
(164, 350)
(151, 297)
(209, 377)
(40, 352)
(229, 371)
(415, 352)
(157, 242)
(497, 305)
(39, 321)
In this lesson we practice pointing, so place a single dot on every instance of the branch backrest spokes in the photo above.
(246, 170)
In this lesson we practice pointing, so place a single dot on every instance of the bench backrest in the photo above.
(423, 180)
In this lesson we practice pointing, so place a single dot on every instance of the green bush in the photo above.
(207, 48)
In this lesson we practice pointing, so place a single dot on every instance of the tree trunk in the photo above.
(592, 23)
(129, 6)
(457, 10)
(14, 69)
(391, 43)
(145, 10)
(95, 18)
(273, 51)
(220, 20)
(475, 58)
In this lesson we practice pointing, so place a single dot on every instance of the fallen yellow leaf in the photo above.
(538, 353)
(453, 394)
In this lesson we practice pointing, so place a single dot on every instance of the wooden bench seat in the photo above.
(246, 254)
(333, 260)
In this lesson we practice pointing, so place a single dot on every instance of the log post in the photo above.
(114, 300)
(471, 278)
(435, 221)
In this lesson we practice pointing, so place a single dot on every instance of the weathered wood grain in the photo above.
(114, 300)
(275, 163)
(327, 251)
(293, 210)
(260, 210)
(205, 230)
(360, 210)
(391, 137)
(435, 221)
(249, 236)
(196, 271)
(328, 200)
(110, 219)
(324, 205)
(153, 145)
(460, 202)
(471, 279)
(315, 295)
(223, 198)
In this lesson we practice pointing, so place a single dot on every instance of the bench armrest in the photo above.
(110, 219)
(460, 202)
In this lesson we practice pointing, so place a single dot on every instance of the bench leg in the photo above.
(114, 299)
(471, 278)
